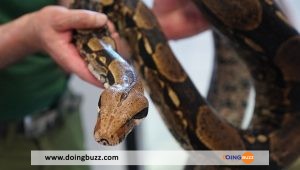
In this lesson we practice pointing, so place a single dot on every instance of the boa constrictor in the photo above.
(122, 104)
(263, 38)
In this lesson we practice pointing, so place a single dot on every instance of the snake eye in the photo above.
(142, 114)
(123, 96)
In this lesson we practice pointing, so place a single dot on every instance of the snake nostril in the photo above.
(142, 114)
(104, 141)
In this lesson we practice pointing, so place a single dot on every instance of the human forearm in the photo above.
(16, 40)
(179, 18)
(49, 30)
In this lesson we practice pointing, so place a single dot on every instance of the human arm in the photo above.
(179, 18)
(49, 30)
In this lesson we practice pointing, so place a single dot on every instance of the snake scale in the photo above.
(229, 89)
(122, 85)
(262, 37)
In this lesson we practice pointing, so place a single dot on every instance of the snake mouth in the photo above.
(123, 131)
(119, 135)
(131, 123)
(104, 141)
(142, 114)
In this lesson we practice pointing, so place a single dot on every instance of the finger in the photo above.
(80, 19)
(79, 67)
(163, 7)
(111, 27)
(122, 46)
(173, 32)
(71, 61)
(65, 3)
(183, 23)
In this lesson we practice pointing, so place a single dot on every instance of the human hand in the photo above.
(52, 32)
(179, 18)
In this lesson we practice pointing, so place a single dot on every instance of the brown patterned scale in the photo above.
(264, 40)
(122, 105)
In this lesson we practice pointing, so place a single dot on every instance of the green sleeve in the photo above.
(34, 83)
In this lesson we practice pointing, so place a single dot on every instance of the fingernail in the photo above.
(101, 19)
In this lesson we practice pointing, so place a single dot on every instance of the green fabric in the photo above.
(34, 83)
(15, 148)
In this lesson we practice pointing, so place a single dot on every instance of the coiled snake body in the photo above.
(268, 45)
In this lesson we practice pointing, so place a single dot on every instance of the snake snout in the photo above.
(142, 114)
(104, 141)
(107, 140)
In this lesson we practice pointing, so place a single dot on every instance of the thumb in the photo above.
(80, 19)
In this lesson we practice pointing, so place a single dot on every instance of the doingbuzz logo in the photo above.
(247, 157)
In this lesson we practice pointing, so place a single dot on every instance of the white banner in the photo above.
(149, 157)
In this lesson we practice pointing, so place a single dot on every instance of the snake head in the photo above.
(119, 113)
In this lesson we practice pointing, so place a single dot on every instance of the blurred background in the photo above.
(196, 56)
